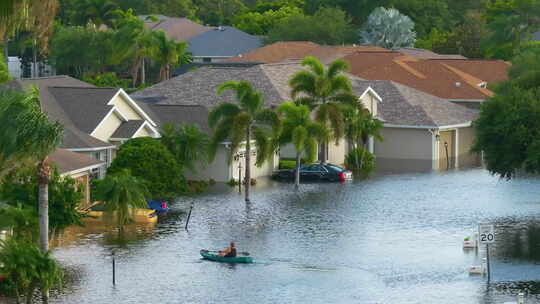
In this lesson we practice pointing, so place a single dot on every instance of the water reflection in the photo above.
(390, 239)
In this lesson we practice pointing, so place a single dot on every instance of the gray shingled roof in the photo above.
(224, 41)
(67, 161)
(403, 105)
(74, 138)
(127, 129)
(85, 106)
(185, 114)
(199, 87)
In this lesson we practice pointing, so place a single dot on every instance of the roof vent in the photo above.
(483, 85)
(458, 84)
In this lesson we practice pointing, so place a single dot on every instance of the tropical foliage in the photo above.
(188, 144)
(298, 129)
(389, 29)
(149, 160)
(20, 188)
(360, 161)
(122, 193)
(4, 72)
(325, 91)
(508, 127)
(26, 135)
(244, 121)
(28, 268)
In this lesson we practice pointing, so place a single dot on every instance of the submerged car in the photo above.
(316, 172)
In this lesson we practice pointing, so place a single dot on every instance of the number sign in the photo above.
(486, 233)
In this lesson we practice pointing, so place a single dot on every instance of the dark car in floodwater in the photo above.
(315, 172)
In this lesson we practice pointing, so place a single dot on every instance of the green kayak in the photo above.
(214, 257)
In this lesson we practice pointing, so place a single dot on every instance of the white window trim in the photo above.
(138, 109)
(370, 90)
(113, 110)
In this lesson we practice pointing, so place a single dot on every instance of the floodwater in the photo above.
(390, 239)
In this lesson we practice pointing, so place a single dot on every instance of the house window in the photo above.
(206, 59)
(97, 155)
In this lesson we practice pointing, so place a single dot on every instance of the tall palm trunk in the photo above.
(143, 71)
(297, 173)
(247, 175)
(44, 172)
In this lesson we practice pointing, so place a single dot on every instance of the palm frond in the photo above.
(337, 67)
(340, 84)
(299, 137)
(303, 82)
(222, 111)
(314, 65)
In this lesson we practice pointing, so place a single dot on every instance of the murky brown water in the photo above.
(391, 239)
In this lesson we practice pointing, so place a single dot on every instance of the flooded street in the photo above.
(390, 239)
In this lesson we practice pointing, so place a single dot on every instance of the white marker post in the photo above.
(486, 235)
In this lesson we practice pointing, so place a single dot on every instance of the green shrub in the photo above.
(360, 161)
(147, 158)
(232, 182)
(287, 164)
(194, 187)
(108, 80)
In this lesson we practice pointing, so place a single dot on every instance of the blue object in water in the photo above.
(159, 205)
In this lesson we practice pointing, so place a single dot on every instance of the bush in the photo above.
(360, 161)
(64, 196)
(194, 187)
(147, 158)
(108, 80)
(287, 164)
(232, 182)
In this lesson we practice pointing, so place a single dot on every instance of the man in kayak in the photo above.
(229, 252)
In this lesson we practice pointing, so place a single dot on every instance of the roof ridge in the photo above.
(79, 87)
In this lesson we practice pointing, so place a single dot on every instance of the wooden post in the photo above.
(189, 216)
(113, 269)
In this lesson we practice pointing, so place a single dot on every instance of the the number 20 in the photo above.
(486, 237)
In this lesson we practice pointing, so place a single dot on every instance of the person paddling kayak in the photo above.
(229, 252)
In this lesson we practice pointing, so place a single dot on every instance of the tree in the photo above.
(329, 26)
(218, 12)
(426, 14)
(20, 188)
(511, 22)
(324, 90)
(188, 144)
(149, 160)
(301, 131)
(27, 267)
(168, 53)
(257, 23)
(4, 72)
(36, 16)
(121, 193)
(389, 29)
(243, 122)
(98, 12)
(360, 126)
(22, 220)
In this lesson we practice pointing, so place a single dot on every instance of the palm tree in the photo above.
(27, 136)
(27, 267)
(122, 192)
(99, 12)
(242, 122)
(188, 144)
(168, 53)
(36, 16)
(299, 129)
(323, 90)
(360, 126)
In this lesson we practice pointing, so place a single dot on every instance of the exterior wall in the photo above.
(144, 132)
(447, 141)
(370, 102)
(219, 170)
(466, 137)
(108, 127)
(336, 153)
(123, 106)
(404, 150)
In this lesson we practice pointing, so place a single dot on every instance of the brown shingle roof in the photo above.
(296, 50)
(448, 79)
(67, 161)
(427, 54)
(179, 29)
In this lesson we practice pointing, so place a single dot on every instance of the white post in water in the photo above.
(486, 235)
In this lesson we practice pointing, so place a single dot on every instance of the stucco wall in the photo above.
(336, 153)
(404, 150)
(218, 170)
(108, 127)
(466, 139)
(123, 106)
